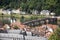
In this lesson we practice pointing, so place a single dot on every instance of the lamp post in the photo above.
(47, 21)
(2, 19)
(11, 17)
(2, 16)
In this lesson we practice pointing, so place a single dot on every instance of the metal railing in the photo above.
(4, 36)
(9, 36)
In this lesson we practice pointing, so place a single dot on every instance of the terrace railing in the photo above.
(35, 38)
(4, 36)
(14, 31)
(9, 36)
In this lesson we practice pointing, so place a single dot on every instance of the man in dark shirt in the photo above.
(2, 30)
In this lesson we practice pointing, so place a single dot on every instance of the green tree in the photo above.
(28, 5)
(57, 9)
(50, 4)
(5, 21)
(56, 35)
(22, 19)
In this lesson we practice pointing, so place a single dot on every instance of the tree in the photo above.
(22, 19)
(5, 21)
(28, 5)
(57, 9)
(56, 35)
(50, 4)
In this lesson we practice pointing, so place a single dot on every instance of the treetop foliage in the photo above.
(28, 5)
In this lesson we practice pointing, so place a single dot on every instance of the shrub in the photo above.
(5, 21)
(22, 19)
(56, 35)
(16, 27)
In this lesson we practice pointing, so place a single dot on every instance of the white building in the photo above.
(16, 11)
(52, 13)
(22, 12)
(5, 11)
(34, 12)
(45, 12)
(8, 11)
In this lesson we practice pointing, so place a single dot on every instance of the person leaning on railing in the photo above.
(2, 30)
